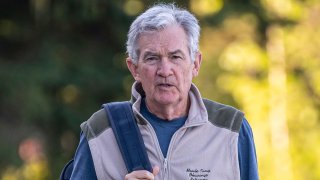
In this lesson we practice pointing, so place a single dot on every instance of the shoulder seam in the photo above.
(223, 116)
(95, 125)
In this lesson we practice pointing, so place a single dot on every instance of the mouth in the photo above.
(165, 85)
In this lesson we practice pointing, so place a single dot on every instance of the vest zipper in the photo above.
(165, 168)
(158, 149)
(165, 159)
(172, 142)
(165, 165)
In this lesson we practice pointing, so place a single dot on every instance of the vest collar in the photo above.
(197, 113)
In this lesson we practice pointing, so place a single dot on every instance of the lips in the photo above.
(165, 85)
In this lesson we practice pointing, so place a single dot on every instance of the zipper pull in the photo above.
(165, 165)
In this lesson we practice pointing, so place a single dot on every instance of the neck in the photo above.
(170, 111)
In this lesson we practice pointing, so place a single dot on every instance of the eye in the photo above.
(176, 57)
(151, 58)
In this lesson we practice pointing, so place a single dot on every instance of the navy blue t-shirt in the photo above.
(84, 167)
(164, 129)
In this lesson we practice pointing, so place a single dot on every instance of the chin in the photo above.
(166, 100)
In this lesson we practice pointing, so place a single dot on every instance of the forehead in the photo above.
(171, 38)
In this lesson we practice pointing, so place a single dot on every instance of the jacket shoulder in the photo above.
(95, 125)
(224, 116)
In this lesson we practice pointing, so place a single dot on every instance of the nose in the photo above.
(164, 68)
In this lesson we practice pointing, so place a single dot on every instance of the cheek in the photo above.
(187, 79)
(188, 75)
(146, 75)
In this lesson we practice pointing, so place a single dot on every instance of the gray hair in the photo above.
(157, 18)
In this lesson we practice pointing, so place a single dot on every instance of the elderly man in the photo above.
(186, 137)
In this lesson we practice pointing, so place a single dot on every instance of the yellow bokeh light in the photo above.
(206, 7)
(133, 7)
(69, 93)
(284, 9)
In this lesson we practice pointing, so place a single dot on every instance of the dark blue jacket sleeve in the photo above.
(83, 163)
(247, 153)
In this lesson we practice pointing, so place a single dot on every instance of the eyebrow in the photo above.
(178, 51)
(149, 53)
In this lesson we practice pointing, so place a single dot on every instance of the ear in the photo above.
(133, 68)
(197, 64)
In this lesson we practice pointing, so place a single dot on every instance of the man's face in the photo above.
(164, 66)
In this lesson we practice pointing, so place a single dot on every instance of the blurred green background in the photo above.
(60, 60)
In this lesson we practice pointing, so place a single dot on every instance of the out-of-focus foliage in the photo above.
(265, 59)
(60, 60)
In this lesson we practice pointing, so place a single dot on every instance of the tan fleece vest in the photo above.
(204, 148)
